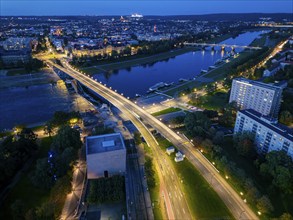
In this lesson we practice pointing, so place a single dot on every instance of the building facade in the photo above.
(269, 135)
(105, 155)
(261, 97)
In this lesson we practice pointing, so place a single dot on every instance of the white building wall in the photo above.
(250, 96)
(266, 139)
(112, 161)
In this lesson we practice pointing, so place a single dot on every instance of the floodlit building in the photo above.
(105, 155)
(261, 97)
(269, 134)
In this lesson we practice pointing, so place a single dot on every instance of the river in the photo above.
(37, 103)
(138, 79)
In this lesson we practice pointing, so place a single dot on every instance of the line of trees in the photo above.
(15, 150)
(275, 169)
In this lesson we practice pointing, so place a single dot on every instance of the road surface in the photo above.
(176, 209)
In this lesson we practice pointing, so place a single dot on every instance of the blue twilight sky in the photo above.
(145, 7)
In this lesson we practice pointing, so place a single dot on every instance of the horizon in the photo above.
(144, 7)
(149, 15)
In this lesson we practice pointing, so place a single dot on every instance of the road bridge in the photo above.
(176, 208)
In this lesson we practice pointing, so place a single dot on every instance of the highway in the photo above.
(176, 209)
(171, 189)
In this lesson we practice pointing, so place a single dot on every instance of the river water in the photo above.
(35, 104)
(138, 79)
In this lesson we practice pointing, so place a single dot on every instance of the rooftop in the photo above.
(104, 143)
(261, 84)
(264, 120)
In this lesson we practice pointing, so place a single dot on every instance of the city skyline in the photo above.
(29, 8)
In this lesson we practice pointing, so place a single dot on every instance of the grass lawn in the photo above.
(155, 191)
(155, 198)
(203, 201)
(24, 190)
(166, 111)
(14, 72)
(215, 101)
(220, 72)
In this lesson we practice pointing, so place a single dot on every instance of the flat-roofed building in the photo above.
(269, 134)
(261, 97)
(106, 155)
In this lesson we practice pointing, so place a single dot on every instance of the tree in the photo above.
(127, 51)
(43, 174)
(18, 210)
(286, 216)
(278, 167)
(244, 144)
(137, 138)
(229, 115)
(218, 137)
(207, 144)
(264, 205)
(286, 118)
(66, 137)
(211, 88)
(48, 129)
(197, 124)
(227, 82)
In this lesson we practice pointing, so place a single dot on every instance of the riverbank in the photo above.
(25, 80)
(135, 61)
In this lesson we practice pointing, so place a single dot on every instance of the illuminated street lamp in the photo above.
(227, 177)
(259, 213)
(241, 193)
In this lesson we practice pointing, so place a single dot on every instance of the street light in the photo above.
(259, 213)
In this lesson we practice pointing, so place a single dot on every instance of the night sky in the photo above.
(145, 7)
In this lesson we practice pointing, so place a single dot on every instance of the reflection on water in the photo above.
(36, 104)
(137, 80)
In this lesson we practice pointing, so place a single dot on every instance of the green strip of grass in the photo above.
(215, 101)
(155, 191)
(166, 111)
(203, 201)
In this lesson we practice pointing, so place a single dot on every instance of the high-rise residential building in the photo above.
(261, 97)
(269, 134)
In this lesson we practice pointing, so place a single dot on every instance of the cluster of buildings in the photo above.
(16, 50)
(284, 59)
(92, 35)
(259, 105)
